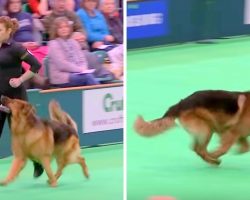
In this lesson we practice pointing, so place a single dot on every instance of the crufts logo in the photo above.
(110, 105)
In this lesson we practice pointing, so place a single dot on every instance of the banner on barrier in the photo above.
(247, 12)
(147, 19)
(102, 109)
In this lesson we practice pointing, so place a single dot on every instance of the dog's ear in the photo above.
(28, 109)
(30, 113)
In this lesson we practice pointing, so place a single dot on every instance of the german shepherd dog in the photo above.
(202, 114)
(41, 140)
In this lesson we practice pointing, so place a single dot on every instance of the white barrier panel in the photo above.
(247, 12)
(102, 109)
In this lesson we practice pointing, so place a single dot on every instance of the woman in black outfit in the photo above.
(11, 77)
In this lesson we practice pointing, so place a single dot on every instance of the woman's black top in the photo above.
(12, 55)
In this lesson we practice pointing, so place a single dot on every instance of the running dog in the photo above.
(202, 114)
(40, 140)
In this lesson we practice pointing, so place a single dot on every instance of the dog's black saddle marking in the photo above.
(214, 100)
(61, 131)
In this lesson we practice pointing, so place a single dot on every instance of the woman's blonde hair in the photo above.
(58, 21)
(10, 23)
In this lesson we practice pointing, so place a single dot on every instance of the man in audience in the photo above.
(110, 11)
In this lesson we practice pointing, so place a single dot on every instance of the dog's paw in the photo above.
(52, 183)
(3, 183)
(216, 162)
(86, 174)
(212, 160)
(242, 150)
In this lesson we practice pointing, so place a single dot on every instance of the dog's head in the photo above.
(17, 106)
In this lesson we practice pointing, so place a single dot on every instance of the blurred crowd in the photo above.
(78, 42)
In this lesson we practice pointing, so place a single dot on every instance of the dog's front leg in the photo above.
(16, 167)
(46, 165)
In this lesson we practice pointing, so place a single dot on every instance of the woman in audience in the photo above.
(95, 24)
(68, 66)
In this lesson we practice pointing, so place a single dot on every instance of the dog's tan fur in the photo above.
(40, 140)
(202, 121)
(56, 113)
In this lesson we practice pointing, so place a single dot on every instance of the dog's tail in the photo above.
(56, 113)
(157, 126)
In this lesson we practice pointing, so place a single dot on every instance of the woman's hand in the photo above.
(15, 82)
(97, 44)
(109, 38)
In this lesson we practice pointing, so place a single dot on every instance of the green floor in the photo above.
(165, 165)
(106, 179)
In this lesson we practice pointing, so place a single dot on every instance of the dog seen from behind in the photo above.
(202, 114)
(41, 140)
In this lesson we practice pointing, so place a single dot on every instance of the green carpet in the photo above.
(105, 183)
(165, 165)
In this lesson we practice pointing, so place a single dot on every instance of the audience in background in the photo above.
(113, 19)
(2, 7)
(68, 65)
(37, 17)
(59, 9)
(39, 8)
(99, 36)
(78, 34)
(111, 13)
(43, 7)
(26, 33)
(95, 24)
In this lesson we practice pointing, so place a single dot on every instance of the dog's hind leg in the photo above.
(60, 166)
(244, 145)
(17, 165)
(202, 134)
(71, 158)
(200, 147)
(83, 164)
(228, 138)
(46, 165)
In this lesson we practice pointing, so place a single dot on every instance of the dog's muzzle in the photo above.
(3, 99)
(3, 107)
